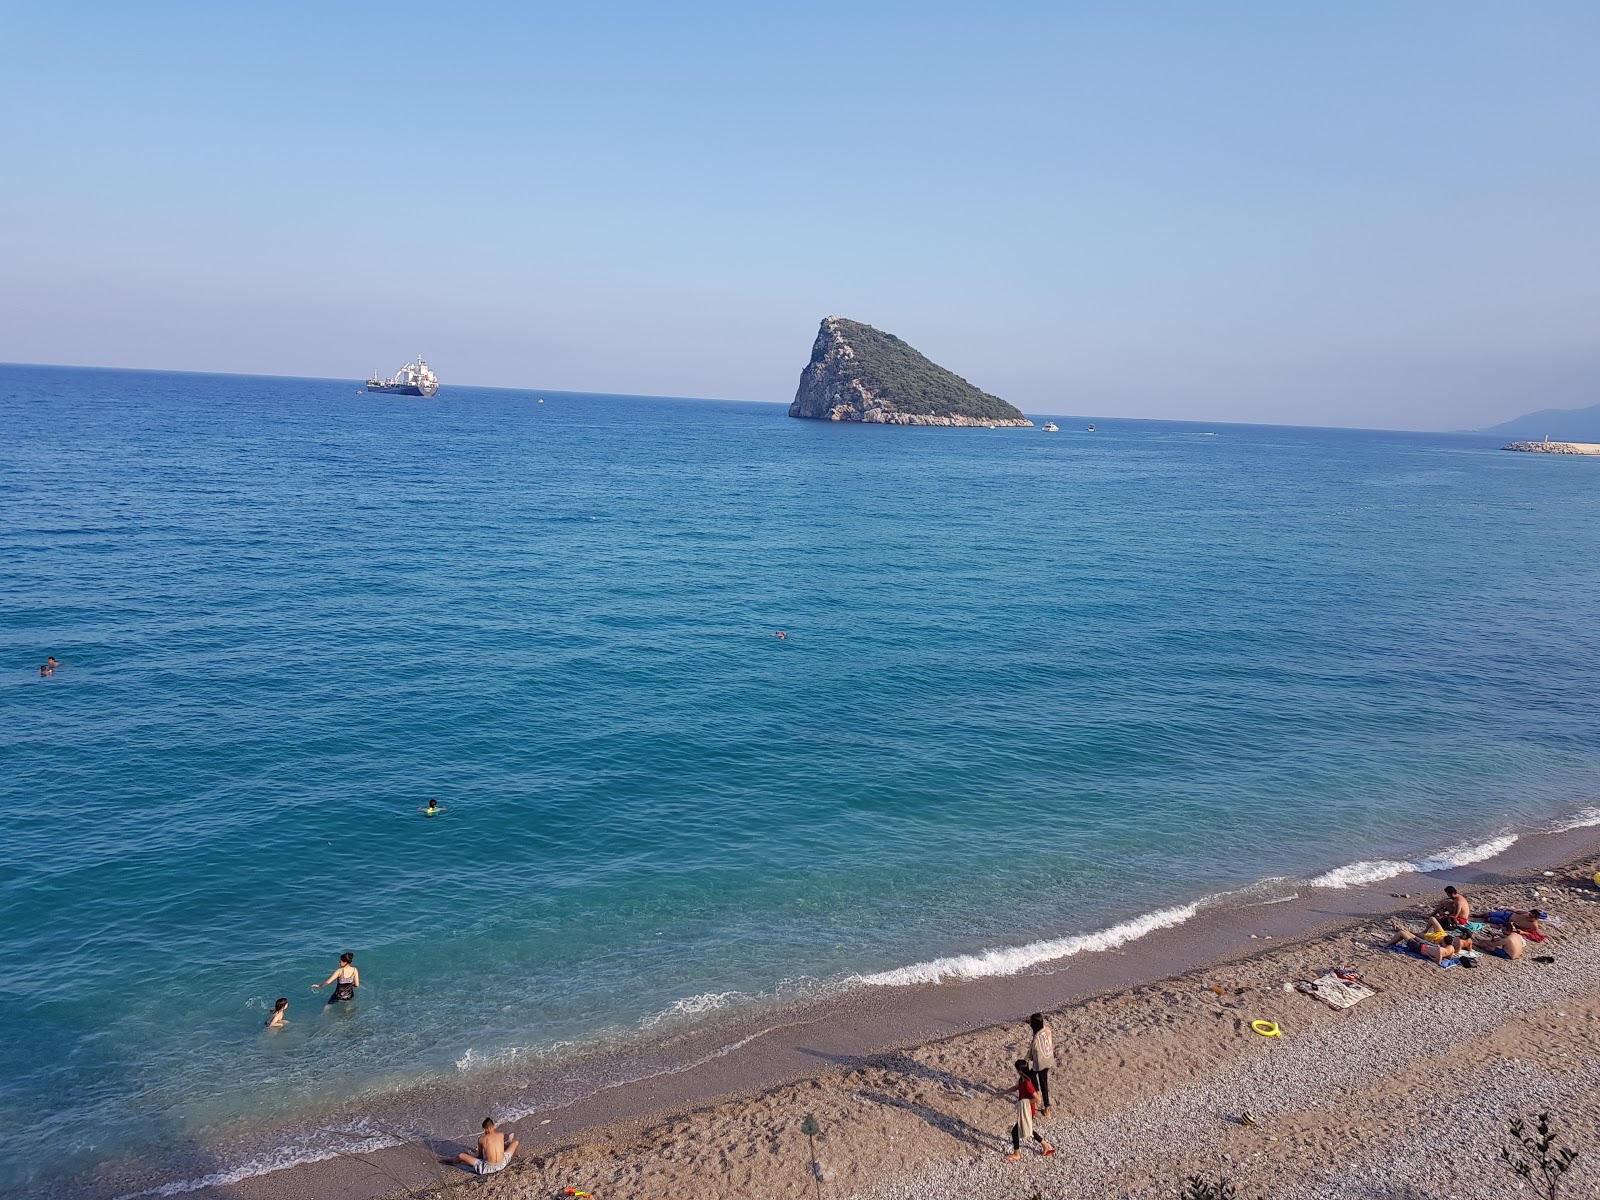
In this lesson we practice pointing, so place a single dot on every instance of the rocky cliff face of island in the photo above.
(858, 373)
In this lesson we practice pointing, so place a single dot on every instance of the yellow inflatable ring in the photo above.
(1266, 1028)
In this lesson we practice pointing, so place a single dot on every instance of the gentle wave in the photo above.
(279, 1158)
(1583, 819)
(1376, 870)
(519, 1113)
(694, 1006)
(1016, 959)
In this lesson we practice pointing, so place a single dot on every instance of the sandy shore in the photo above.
(1157, 1063)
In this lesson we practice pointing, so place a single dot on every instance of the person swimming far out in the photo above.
(433, 810)
(781, 635)
(345, 979)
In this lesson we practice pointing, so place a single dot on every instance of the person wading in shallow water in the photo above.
(345, 979)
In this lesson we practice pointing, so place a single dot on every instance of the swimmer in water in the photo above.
(345, 979)
(277, 1020)
(432, 810)
(781, 636)
(45, 670)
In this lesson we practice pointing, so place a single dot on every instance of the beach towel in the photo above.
(1443, 966)
(1333, 991)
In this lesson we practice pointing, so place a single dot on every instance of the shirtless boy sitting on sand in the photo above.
(494, 1151)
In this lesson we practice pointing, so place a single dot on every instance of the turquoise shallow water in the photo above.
(1110, 673)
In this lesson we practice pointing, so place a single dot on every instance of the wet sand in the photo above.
(1155, 1065)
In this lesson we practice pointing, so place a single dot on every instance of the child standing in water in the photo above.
(1025, 1093)
(345, 979)
(1041, 1057)
(279, 1019)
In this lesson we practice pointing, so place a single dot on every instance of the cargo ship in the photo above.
(413, 379)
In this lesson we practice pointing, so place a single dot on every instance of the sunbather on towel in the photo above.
(1510, 944)
(1452, 945)
(1526, 922)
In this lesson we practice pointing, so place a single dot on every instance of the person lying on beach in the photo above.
(494, 1151)
(1025, 1093)
(1453, 912)
(345, 979)
(1451, 946)
(279, 1017)
(1527, 922)
(1510, 944)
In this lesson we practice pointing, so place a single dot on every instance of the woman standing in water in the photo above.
(345, 979)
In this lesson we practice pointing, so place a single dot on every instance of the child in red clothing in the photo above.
(1026, 1094)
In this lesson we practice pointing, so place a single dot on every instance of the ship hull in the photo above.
(407, 390)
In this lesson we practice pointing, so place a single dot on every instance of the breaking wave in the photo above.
(1376, 870)
(1016, 959)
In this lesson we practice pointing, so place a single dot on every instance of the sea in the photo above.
(723, 710)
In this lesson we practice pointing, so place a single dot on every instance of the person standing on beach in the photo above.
(1041, 1057)
(345, 979)
(494, 1151)
(1026, 1094)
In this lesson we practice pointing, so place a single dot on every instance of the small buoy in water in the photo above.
(1266, 1028)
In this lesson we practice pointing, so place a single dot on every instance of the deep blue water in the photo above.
(1112, 672)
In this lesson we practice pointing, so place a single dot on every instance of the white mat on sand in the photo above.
(1333, 991)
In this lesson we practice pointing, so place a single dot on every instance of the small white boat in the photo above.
(1051, 427)
(1091, 428)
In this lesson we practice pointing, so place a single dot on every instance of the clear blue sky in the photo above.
(1382, 213)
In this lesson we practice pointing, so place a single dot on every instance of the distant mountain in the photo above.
(1562, 424)
(858, 373)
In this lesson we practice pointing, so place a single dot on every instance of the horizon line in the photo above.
(745, 400)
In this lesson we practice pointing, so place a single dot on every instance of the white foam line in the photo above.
(1376, 870)
(1583, 819)
(280, 1160)
(518, 1114)
(1015, 959)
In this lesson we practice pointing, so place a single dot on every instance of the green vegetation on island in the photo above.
(895, 372)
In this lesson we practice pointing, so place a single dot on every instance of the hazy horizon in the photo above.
(1366, 218)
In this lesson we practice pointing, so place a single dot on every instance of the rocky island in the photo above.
(858, 373)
